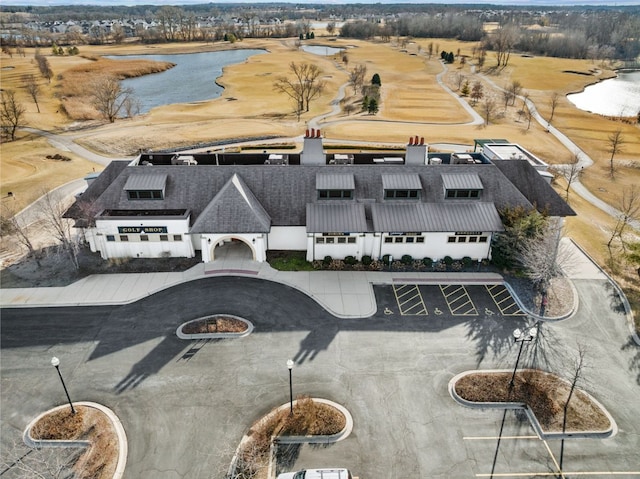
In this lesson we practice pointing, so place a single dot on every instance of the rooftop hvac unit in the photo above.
(435, 161)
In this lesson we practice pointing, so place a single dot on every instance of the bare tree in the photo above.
(529, 114)
(33, 89)
(488, 108)
(11, 113)
(629, 210)
(476, 92)
(504, 40)
(460, 78)
(13, 225)
(109, 97)
(538, 255)
(554, 99)
(578, 370)
(616, 143)
(507, 98)
(570, 172)
(303, 87)
(52, 210)
(21, 461)
(515, 87)
(356, 78)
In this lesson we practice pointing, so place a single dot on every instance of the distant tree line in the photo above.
(573, 32)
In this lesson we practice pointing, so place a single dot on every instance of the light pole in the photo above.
(522, 336)
(55, 362)
(290, 366)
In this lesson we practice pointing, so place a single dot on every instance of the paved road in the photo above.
(185, 405)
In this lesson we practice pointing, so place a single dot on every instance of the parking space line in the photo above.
(409, 299)
(555, 474)
(458, 300)
(493, 438)
(553, 458)
(503, 299)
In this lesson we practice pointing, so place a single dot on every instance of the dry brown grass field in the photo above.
(411, 104)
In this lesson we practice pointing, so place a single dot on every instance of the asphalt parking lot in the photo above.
(186, 405)
(447, 300)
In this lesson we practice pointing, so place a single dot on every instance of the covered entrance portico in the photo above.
(234, 246)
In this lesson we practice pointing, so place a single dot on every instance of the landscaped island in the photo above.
(545, 394)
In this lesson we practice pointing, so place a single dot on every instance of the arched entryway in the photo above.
(232, 249)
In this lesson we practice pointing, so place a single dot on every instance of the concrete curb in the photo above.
(182, 335)
(117, 425)
(623, 297)
(318, 439)
(550, 319)
(612, 431)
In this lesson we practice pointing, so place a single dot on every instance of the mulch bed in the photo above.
(215, 324)
(544, 393)
(98, 461)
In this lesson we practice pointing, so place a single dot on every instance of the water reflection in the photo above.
(614, 97)
(192, 79)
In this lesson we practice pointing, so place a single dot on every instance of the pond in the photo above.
(618, 96)
(193, 78)
(321, 50)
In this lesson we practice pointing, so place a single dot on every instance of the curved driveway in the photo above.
(185, 405)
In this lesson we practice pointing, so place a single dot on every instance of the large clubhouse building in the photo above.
(365, 204)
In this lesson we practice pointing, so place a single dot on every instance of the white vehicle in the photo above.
(331, 473)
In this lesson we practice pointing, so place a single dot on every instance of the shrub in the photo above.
(386, 258)
(327, 260)
(350, 260)
(467, 261)
(406, 259)
(428, 262)
(366, 260)
(448, 260)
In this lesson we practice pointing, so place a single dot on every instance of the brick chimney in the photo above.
(312, 152)
(416, 151)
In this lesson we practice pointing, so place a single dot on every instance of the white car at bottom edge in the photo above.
(327, 473)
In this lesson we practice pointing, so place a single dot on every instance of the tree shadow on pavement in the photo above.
(286, 457)
(317, 340)
(492, 335)
(634, 361)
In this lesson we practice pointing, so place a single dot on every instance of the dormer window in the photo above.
(401, 187)
(339, 186)
(462, 185)
(146, 186)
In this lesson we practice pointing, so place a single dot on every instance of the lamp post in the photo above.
(290, 366)
(55, 362)
(522, 336)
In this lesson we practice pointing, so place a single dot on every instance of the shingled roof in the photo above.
(539, 193)
(262, 196)
(235, 209)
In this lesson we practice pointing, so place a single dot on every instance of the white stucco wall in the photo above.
(436, 247)
(287, 238)
(134, 247)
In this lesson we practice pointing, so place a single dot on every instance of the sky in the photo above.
(532, 3)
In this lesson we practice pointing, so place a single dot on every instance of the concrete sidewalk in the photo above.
(346, 294)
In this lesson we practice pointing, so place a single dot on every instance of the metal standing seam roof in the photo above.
(461, 181)
(146, 181)
(436, 217)
(335, 181)
(404, 181)
(343, 218)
